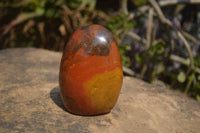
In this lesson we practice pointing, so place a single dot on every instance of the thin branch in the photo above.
(143, 71)
(149, 28)
(124, 6)
(20, 19)
(172, 45)
(137, 37)
(190, 79)
(179, 59)
(160, 13)
(141, 10)
(179, 8)
(66, 10)
(184, 62)
(82, 5)
(128, 71)
(187, 47)
(189, 37)
(174, 2)
(154, 30)
(148, 42)
(92, 5)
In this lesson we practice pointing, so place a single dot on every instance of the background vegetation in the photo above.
(158, 40)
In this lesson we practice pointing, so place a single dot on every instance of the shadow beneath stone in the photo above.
(56, 97)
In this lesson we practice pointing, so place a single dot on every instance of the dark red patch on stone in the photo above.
(94, 39)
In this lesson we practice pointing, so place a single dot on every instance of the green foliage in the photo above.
(119, 25)
(157, 48)
(138, 58)
(74, 3)
(120, 22)
(160, 69)
(42, 23)
(125, 59)
(181, 77)
(140, 2)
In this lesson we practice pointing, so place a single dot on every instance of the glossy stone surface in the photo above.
(90, 72)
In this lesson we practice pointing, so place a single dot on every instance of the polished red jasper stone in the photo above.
(90, 72)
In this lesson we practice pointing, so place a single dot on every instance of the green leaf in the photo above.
(198, 77)
(181, 77)
(126, 61)
(90, 1)
(74, 3)
(197, 61)
(160, 69)
(138, 58)
(139, 2)
(187, 61)
(50, 12)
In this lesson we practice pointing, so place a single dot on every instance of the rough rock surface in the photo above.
(30, 101)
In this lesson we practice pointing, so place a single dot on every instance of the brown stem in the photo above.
(149, 28)
(175, 2)
(148, 42)
(124, 6)
(137, 37)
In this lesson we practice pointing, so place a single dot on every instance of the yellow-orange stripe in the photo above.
(103, 89)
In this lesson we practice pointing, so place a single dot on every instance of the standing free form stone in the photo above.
(90, 72)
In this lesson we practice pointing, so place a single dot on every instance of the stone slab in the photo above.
(30, 101)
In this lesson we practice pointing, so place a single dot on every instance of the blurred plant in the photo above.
(139, 2)
(125, 59)
(119, 25)
(43, 23)
(159, 50)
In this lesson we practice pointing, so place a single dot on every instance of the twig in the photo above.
(128, 71)
(172, 45)
(20, 19)
(42, 33)
(188, 49)
(92, 5)
(149, 28)
(154, 30)
(143, 71)
(189, 37)
(141, 11)
(190, 79)
(66, 10)
(160, 13)
(174, 2)
(183, 61)
(82, 5)
(148, 42)
(124, 6)
(103, 15)
(179, 34)
(179, 8)
(99, 13)
(179, 59)
(137, 37)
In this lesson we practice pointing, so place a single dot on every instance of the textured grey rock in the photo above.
(30, 101)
